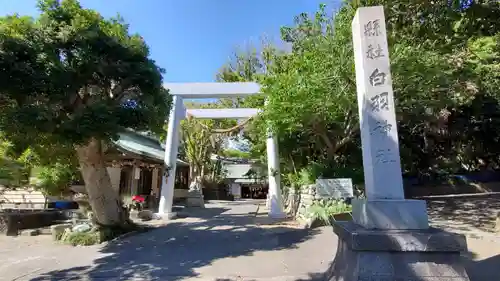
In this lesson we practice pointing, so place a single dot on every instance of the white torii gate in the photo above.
(179, 91)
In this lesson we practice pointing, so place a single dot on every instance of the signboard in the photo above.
(334, 188)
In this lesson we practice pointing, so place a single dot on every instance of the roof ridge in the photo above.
(144, 134)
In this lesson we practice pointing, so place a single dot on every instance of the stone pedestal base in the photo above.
(195, 199)
(396, 255)
(167, 216)
(390, 214)
(277, 215)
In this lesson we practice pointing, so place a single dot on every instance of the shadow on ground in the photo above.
(482, 270)
(201, 213)
(175, 251)
(465, 213)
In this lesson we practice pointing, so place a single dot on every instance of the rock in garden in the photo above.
(30, 232)
(82, 227)
(92, 218)
(58, 229)
(133, 214)
(145, 215)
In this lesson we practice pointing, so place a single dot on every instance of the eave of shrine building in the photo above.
(133, 147)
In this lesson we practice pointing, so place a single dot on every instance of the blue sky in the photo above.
(192, 39)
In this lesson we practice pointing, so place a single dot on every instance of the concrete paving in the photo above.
(222, 242)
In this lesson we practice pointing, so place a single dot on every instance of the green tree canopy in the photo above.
(444, 59)
(72, 78)
(73, 75)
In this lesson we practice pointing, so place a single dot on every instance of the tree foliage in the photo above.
(54, 179)
(235, 153)
(73, 79)
(13, 172)
(444, 63)
(67, 75)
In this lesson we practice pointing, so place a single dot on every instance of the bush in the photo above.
(83, 238)
(325, 210)
(315, 170)
(98, 235)
(110, 232)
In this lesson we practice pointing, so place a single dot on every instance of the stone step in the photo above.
(36, 231)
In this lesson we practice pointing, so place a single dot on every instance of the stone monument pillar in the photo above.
(389, 237)
(236, 190)
(195, 194)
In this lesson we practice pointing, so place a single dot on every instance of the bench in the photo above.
(14, 220)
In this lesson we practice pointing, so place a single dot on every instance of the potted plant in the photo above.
(137, 203)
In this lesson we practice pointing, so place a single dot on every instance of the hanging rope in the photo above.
(230, 130)
(223, 131)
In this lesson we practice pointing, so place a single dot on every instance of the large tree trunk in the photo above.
(104, 200)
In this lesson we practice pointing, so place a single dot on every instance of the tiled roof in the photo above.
(140, 144)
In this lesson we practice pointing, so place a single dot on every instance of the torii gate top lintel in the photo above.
(213, 89)
(222, 113)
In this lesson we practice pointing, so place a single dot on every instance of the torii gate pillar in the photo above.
(171, 151)
(275, 202)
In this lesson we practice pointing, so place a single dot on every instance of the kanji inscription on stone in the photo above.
(380, 102)
(374, 51)
(372, 28)
(381, 128)
(377, 78)
(384, 156)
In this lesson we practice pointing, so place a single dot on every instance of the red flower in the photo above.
(138, 198)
